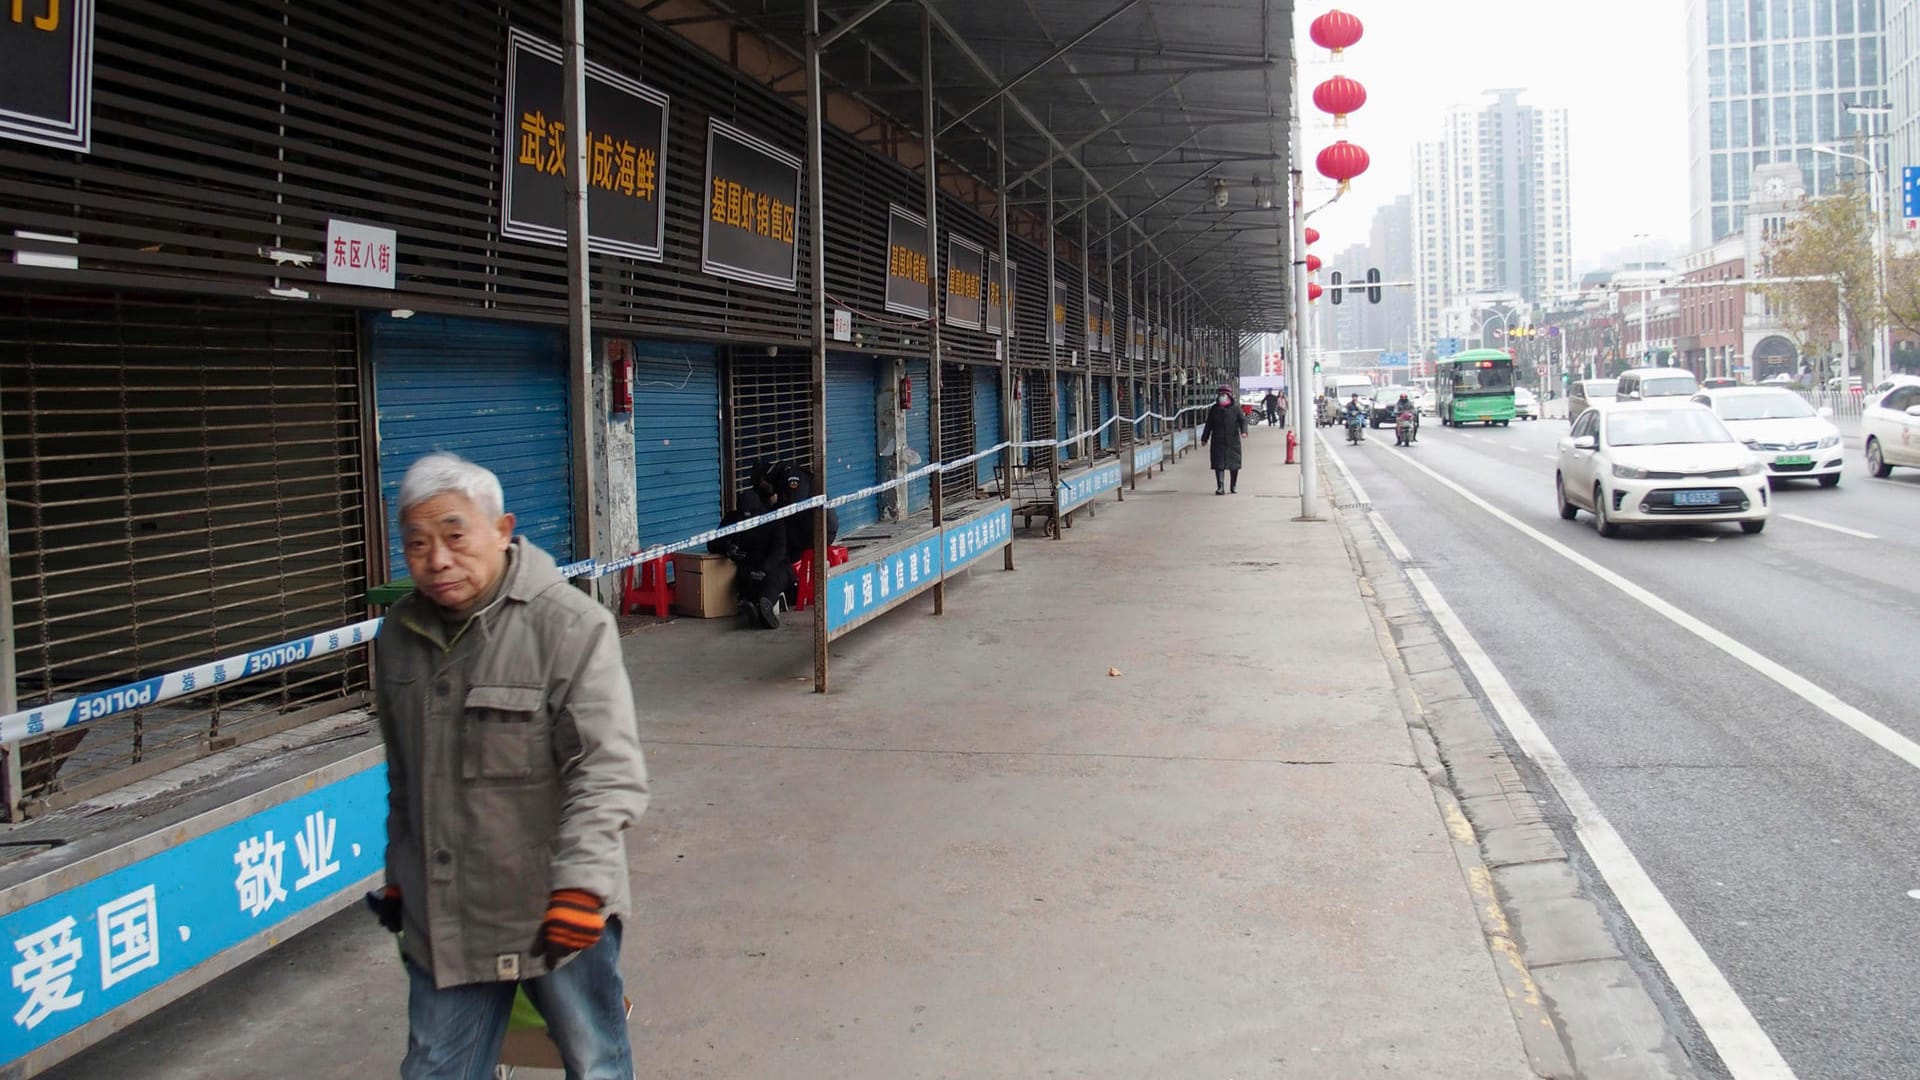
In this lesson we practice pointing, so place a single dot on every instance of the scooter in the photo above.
(1406, 428)
(1356, 428)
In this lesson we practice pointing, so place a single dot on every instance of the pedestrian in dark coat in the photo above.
(1271, 406)
(1226, 425)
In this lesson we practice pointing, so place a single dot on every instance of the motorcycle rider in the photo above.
(1355, 416)
(1403, 409)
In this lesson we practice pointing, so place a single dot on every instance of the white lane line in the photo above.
(1742, 1044)
(1551, 457)
(1805, 689)
(1835, 528)
(1705, 539)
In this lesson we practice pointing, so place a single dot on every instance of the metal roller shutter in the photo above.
(1066, 414)
(183, 482)
(768, 410)
(988, 420)
(1104, 412)
(853, 460)
(494, 393)
(956, 432)
(676, 440)
(919, 434)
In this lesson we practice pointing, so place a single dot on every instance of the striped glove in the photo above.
(573, 923)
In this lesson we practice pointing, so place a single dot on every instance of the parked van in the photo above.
(1640, 384)
(1338, 388)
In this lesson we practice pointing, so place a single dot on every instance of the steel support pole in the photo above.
(1302, 366)
(817, 302)
(1134, 309)
(1006, 323)
(1112, 334)
(1053, 362)
(934, 402)
(579, 288)
(1085, 383)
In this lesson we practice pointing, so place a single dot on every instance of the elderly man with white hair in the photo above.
(514, 770)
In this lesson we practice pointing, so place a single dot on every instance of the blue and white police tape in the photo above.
(152, 691)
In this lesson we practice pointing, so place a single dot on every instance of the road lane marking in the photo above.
(1743, 1045)
(1705, 539)
(1835, 528)
(1552, 457)
(1805, 689)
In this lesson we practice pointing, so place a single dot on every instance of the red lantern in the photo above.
(1342, 161)
(1313, 291)
(1339, 96)
(1313, 263)
(1336, 30)
(1313, 235)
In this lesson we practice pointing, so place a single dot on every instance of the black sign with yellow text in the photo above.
(752, 213)
(1000, 291)
(908, 272)
(626, 136)
(46, 73)
(964, 277)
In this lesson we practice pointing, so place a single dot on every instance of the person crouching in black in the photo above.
(763, 571)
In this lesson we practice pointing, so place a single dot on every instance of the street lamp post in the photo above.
(1881, 344)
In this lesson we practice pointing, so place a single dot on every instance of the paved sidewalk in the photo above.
(986, 856)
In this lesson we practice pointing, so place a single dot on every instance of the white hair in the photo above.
(443, 474)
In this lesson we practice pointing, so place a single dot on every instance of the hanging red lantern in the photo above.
(1342, 161)
(1313, 235)
(1336, 30)
(1339, 96)
(1313, 263)
(1313, 291)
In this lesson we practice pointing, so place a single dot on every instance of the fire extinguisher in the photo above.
(620, 378)
(906, 393)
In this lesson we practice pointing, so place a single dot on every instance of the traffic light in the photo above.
(1373, 286)
(1316, 367)
(1337, 291)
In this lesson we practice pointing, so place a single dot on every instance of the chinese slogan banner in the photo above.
(46, 73)
(88, 949)
(908, 276)
(626, 136)
(753, 193)
(1000, 289)
(964, 268)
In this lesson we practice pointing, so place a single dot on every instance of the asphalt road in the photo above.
(1786, 841)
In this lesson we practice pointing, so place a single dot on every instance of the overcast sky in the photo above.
(1619, 68)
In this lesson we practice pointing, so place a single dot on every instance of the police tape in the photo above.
(146, 693)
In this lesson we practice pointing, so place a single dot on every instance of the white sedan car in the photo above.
(1796, 442)
(1890, 424)
(1658, 462)
(1525, 405)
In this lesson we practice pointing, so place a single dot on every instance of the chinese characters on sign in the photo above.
(360, 254)
(753, 189)
(46, 82)
(1000, 290)
(1080, 489)
(968, 540)
(89, 948)
(626, 131)
(859, 592)
(964, 268)
(908, 275)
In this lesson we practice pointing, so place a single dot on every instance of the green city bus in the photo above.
(1475, 386)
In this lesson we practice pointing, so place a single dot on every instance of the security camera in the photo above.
(773, 350)
(1220, 194)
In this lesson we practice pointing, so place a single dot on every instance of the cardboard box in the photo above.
(703, 585)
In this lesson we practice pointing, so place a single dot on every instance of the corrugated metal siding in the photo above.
(492, 392)
(920, 433)
(987, 418)
(676, 440)
(853, 460)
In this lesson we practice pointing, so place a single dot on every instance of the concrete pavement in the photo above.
(1147, 806)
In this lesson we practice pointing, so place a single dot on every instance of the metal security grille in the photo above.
(956, 432)
(182, 483)
(1040, 419)
(769, 410)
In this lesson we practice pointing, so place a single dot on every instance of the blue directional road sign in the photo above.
(1910, 196)
(1393, 359)
(1446, 346)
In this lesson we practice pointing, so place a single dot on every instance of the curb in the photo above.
(1580, 1007)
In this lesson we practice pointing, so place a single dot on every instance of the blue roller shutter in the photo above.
(919, 433)
(676, 440)
(492, 392)
(853, 460)
(1104, 412)
(1065, 411)
(987, 419)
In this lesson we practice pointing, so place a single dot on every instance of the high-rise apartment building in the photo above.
(1492, 207)
(1903, 93)
(1769, 80)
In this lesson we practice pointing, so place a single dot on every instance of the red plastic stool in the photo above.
(803, 571)
(645, 585)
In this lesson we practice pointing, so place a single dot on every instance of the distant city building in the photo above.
(1769, 81)
(1903, 93)
(1491, 208)
(1356, 323)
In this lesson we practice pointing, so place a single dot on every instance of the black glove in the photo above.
(385, 905)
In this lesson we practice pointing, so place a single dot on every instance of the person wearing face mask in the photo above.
(1226, 426)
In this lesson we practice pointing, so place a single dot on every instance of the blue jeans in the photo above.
(455, 1034)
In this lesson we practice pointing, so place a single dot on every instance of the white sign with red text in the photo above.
(360, 254)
